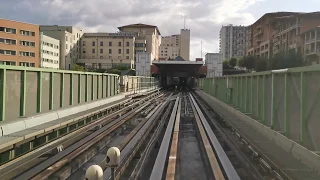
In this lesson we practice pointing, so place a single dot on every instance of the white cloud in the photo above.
(204, 17)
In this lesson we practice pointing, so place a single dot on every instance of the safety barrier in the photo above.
(26, 91)
(285, 100)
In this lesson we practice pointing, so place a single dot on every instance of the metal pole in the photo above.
(113, 172)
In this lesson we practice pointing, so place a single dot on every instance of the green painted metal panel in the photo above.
(79, 88)
(23, 93)
(39, 92)
(257, 98)
(51, 91)
(87, 89)
(61, 90)
(103, 86)
(286, 104)
(98, 82)
(303, 98)
(3, 78)
(71, 89)
(92, 87)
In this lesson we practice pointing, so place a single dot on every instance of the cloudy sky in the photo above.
(204, 17)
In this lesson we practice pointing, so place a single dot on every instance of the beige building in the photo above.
(49, 52)
(107, 50)
(175, 45)
(69, 36)
(148, 38)
(19, 43)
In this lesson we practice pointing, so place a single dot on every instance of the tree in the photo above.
(233, 62)
(289, 59)
(76, 67)
(241, 62)
(249, 62)
(261, 64)
(225, 64)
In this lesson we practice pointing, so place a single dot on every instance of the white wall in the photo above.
(214, 64)
(49, 52)
(143, 63)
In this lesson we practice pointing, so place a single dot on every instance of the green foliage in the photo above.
(114, 71)
(225, 64)
(261, 64)
(233, 62)
(288, 59)
(241, 62)
(76, 67)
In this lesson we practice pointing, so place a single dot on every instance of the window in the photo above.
(83, 51)
(110, 43)
(128, 51)
(110, 51)
(128, 44)
(101, 43)
(101, 57)
(8, 41)
(119, 51)
(12, 63)
(8, 30)
(101, 51)
(139, 45)
(83, 43)
(127, 57)
(93, 43)
(28, 54)
(93, 50)
(119, 43)
(7, 52)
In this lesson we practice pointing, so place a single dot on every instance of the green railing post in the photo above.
(71, 89)
(23, 93)
(302, 107)
(258, 105)
(3, 93)
(51, 91)
(92, 87)
(251, 96)
(62, 90)
(79, 88)
(102, 86)
(286, 105)
(264, 101)
(272, 100)
(87, 88)
(39, 92)
(98, 86)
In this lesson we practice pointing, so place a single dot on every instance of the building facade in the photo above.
(233, 41)
(49, 52)
(69, 37)
(213, 61)
(19, 43)
(262, 33)
(143, 64)
(148, 38)
(175, 45)
(107, 50)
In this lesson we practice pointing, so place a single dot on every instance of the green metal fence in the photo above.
(287, 100)
(27, 91)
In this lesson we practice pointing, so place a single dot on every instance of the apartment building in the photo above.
(49, 52)
(261, 34)
(19, 43)
(69, 37)
(107, 50)
(175, 45)
(233, 41)
(148, 38)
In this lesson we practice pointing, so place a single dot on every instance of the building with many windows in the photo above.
(233, 41)
(69, 37)
(148, 38)
(175, 45)
(107, 50)
(49, 52)
(19, 43)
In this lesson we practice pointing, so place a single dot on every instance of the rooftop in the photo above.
(139, 25)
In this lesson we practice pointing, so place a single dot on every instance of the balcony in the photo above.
(258, 33)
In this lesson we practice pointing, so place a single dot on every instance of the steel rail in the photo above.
(158, 168)
(227, 167)
(49, 166)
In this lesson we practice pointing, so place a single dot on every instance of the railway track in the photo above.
(42, 164)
